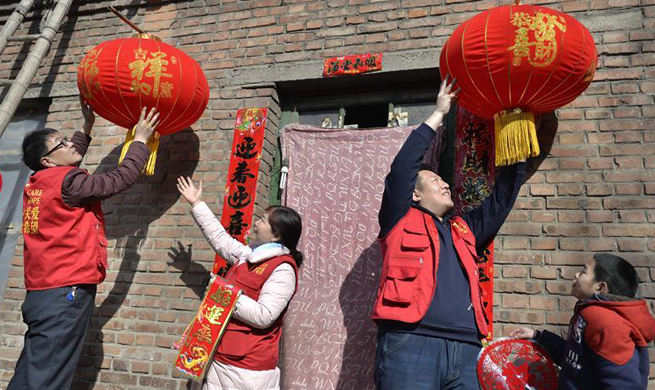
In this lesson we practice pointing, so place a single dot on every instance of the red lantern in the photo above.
(516, 60)
(120, 77)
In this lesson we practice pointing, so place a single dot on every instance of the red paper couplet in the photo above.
(241, 189)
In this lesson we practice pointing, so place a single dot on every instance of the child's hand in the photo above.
(523, 333)
(189, 191)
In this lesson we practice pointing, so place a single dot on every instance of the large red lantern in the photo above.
(514, 61)
(120, 77)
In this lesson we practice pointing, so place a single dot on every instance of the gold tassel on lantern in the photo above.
(152, 144)
(516, 137)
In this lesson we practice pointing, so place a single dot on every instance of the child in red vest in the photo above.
(65, 251)
(607, 346)
(267, 273)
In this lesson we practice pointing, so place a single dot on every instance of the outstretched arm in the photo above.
(220, 240)
(80, 188)
(401, 180)
(486, 219)
(554, 344)
(81, 140)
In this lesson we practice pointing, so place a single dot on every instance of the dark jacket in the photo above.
(607, 346)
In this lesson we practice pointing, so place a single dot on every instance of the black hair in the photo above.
(286, 223)
(426, 167)
(34, 147)
(619, 275)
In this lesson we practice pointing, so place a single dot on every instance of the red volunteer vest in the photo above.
(242, 345)
(410, 265)
(63, 245)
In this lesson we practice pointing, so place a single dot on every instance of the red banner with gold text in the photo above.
(201, 338)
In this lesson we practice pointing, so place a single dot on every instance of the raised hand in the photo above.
(446, 95)
(189, 191)
(89, 116)
(146, 125)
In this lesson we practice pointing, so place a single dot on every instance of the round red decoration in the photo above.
(516, 365)
(120, 77)
(519, 59)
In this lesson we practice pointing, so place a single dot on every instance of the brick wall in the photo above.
(595, 192)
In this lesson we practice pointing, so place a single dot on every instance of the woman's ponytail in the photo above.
(297, 256)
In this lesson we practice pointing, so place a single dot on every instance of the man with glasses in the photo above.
(65, 250)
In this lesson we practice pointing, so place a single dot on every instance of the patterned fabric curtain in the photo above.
(335, 181)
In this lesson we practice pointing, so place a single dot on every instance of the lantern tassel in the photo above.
(153, 146)
(516, 137)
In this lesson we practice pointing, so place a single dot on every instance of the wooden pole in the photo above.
(32, 63)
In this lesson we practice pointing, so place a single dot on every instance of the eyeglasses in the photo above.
(64, 142)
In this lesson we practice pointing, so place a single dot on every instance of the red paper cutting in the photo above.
(516, 365)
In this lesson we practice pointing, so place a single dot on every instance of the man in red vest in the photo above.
(65, 254)
(429, 304)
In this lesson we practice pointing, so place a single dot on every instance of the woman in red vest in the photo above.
(266, 271)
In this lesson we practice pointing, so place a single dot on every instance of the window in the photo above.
(403, 98)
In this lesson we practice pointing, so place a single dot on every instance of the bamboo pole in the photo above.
(125, 20)
(32, 63)
(14, 21)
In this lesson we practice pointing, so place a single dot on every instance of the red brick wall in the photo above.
(593, 193)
